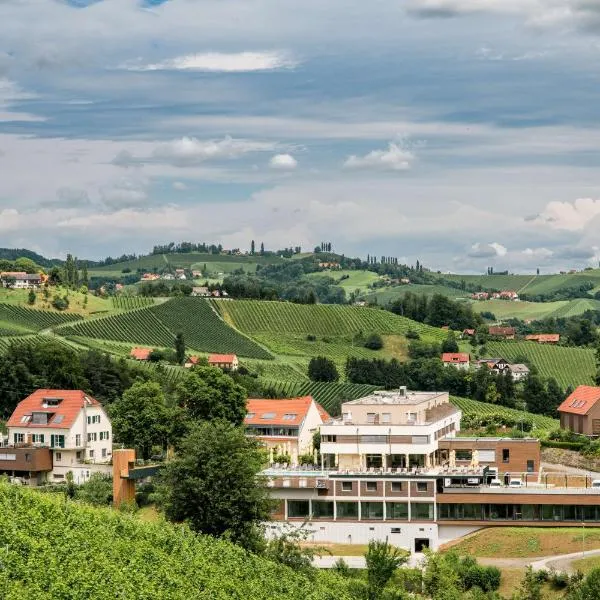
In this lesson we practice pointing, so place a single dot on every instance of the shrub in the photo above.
(311, 338)
(485, 578)
(60, 303)
(411, 334)
(374, 342)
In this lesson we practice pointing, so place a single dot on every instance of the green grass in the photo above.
(131, 302)
(474, 407)
(504, 309)
(284, 318)
(569, 366)
(203, 330)
(350, 280)
(386, 295)
(32, 319)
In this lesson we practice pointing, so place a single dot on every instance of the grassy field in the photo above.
(389, 294)
(203, 330)
(526, 542)
(469, 407)
(285, 318)
(350, 280)
(503, 309)
(569, 366)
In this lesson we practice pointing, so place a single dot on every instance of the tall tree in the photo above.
(215, 485)
(534, 394)
(180, 348)
(85, 280)
(208, 394)
(450, 344)
(598, 364)
(262, 248)
(321, 368)
(252, 247)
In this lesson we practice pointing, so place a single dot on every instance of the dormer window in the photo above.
(52, 401)
(268, 415)
(25, 418)
(40, 418)
(289, 416)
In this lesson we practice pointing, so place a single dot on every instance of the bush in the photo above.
(563, 445)
(311, 338)
(411, 334)
(485, 578)
(374, 342)
(60, 303)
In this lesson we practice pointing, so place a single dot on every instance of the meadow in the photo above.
(504, 309)
(569, 366)
(350, 280)
(386, 295)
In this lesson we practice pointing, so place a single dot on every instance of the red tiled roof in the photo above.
(581, 400)
(193, 360)
(325, 416)
(276, 409)
(221, 358)
(141, 353)
(72, 401)
(501, 331)
(469, 331)
(455, 357)
(544, 337)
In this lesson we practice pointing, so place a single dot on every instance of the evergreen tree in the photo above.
(252, 247)
(555, 397)
(598, 364)
(450, 344)
(322, 369)
(85, 280)
(31, 298)
(534, 394)
(262, 249)
(180, 348)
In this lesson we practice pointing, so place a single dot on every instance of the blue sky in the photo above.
(464, 133)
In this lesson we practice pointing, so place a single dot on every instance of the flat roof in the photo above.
(397, 397)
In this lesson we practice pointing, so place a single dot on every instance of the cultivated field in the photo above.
(386, 295)
(350, 280)
(15, 317)
(569, 366)
(504, 309)
(203, 330)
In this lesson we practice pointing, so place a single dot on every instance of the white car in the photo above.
(515, 483)
(596, 483)
(496, 483)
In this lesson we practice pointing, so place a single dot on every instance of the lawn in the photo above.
(350, 280)
(504, 309)
(526, 542)
(386, 295)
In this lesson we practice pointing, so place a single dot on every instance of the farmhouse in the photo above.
(140, 353)
(497, 365)
(150, 276)
(53, 432)
(544, 338)
(519, 371)
(20, 280)
(191, 361)
(196, 274)
(286, 427)
(480, 296)
(459, 360)
(224, 361)
(201, 291)
(580, 412)
(508, 333)
(505, 295)
(468, 333)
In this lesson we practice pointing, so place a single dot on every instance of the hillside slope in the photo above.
(56, 549)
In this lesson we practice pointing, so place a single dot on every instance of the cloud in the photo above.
(283, 162)
(542, 253)
(491, 250)
(395, 158)
(215, 62)
(179, 186)
(124, 194)
(67, 197)
(572, 216)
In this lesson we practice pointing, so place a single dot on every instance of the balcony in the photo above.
(25, 458)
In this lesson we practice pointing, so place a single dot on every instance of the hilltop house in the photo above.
(150, 276)
(544, 338)
(191, 361)
(468, 333)
(286, 427)
(224, 361)
(580, 412)
(20, 280)
(508, 333)
(459, 360)
(497, 365)
(519, 371)
(53, 432)
(505, 295)
(140, 353)
(480, 296)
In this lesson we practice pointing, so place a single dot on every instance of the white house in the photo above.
(73, 425)
(459, 360)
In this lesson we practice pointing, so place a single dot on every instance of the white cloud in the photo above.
(238, 62)
(395, 158)
(179, 186)
(124, 193)
(572, 216)
(538, 253)
(283, 162)
(492, 250)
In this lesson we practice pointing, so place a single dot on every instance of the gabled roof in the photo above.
(221, 358)
(273, 411)
(455, 357)
(581, 400)
(495, 330)
(68, 405)
(543, 337)
(519, 368)
(140, 353)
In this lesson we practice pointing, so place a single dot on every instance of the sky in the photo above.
(463, 133)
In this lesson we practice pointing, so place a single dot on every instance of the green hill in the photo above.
(157, 325)
(52, 548)
(569, 366)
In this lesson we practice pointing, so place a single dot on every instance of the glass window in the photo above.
(371, 510)
(371, 486)
(569, 513)
(530, 466)
(322, 509)
(57, 456)
(505, 455)
(397, 511)
(421, 511)
(396, 486)
(464, 454)
(78, 440)
(346, 486)
(471, 511)
(298, 508)
(347, 510)
(386, 417)
(421, 486)
(19, 438)
(371, 418)
(589, 513)
(529, 512)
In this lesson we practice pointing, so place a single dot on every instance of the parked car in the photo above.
(495, 483)
(596, 483)
(515, 483)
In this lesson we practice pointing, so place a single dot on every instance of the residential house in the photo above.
(140, 353)
(150, 276)
(329, 265)
(180, 274)
(468, 333)
(196, 274)
(286, 426)
(580, 412)
(518, 371)
(480, 296)
(191, 361)
(497, 365)
(20, 280)
(459, 360)
(201, 291)
(224, 361)
(404, 281)
(505, 295)
(544, 338)
(67, 426)
(508, 333)
(168, 276)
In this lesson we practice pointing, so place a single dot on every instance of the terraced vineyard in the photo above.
(329, 395)
(473, 407)
(253, 316)
(569, 366)
(5, 342)
(32, 319)
(203, 330)
(131, 302)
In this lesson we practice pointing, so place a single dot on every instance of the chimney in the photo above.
(402, 391)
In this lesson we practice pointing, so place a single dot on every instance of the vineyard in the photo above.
(252, 316)
(473, 407)
(203, 330)
(569, 366)
(53, 548)
(34, 320)
(329, 395)
(131, 302)
(5, 342)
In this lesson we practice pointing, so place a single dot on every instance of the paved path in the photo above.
(358, 562)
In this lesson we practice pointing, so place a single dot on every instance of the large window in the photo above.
(517, 512)
(397, 511)
(298, 508)
(421, 511)
(19, 438)
(322, 509)
(57, 441)
(464, 455)
(347, 510)
(371, 510)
